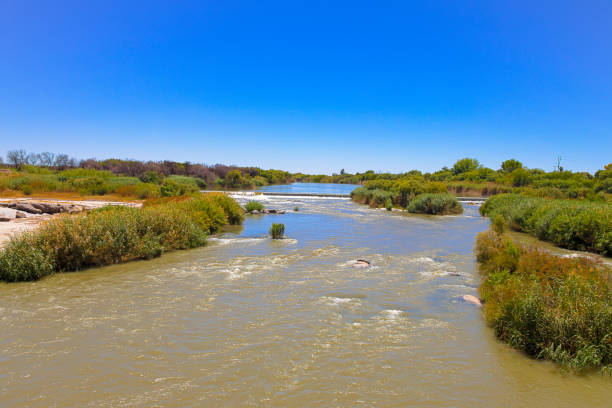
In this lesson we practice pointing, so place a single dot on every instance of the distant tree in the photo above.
(558, 166)
(62, 161)
(465, 165)
(510, 165)
(233, 179)
(47, 159)
(17, 158)
(33, 159)
(342, 172)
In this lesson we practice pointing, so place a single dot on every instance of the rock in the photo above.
(362, 263)
(280, 211)
(472, 299)
(20, 214)
(7, 214)
(47, 207)
(71, 208)
(254, 212)
(271, 211)
(27, 208)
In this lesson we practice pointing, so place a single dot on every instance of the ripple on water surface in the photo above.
(247, 321)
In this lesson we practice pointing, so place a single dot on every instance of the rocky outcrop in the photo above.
(265, 211)
(33, 207)
(29, 208)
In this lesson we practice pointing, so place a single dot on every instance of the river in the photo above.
(250, 321)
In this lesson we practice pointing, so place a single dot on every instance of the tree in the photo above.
(233, 179)
(465, 165)
(47, 159)
(558, 166)
(17, 158)
(33, 159)
(63, 161)
(510, 165)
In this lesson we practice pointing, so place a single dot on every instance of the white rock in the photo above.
(7, 214)
(472, 299)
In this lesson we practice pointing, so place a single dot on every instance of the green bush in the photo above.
(548, 306)
(277, 231)
(435, 204)
(572, 224)
(254, 206)
(115, 234)
(172, 188)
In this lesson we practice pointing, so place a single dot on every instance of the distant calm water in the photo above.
(310, 188)
(252, 322)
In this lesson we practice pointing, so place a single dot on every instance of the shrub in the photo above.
(548, 306)
(115, 234)
(254, 206)
(152, 177)
(498, 224)
(435, 204)
(277, 231)
(102, 237)
(172, 188)
(581, 225)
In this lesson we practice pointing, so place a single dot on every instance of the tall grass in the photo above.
(277, 231)
(550, 307)
(253, 206)
(572, 224)
(115, 234)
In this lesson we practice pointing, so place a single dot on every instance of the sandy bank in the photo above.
(32, 221)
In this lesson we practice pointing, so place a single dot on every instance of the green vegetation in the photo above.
(116, 234)
(468, 177)
(549, 306)
(413, 194)
(40, 173)
(46, 172)
(277, 231)
(442, 203)
(296, 208)
(254, 206)
(572, 224)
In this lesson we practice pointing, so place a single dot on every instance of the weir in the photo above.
(347, 196)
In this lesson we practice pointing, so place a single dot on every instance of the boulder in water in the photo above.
(361, 263)
(472, 299)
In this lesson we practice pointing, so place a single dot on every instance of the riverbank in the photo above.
(115, 234)
(31, 221)
(549, 303)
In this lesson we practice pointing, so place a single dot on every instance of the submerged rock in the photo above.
(472, 299)
(361, 263)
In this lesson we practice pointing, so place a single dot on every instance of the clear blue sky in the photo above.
(305, 86)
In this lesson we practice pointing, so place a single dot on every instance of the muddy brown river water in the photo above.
(248, 321)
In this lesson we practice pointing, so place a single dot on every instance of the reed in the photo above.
(253, 206)
(573, 224)
(551, 307)
(277, 231)
(115, 234)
